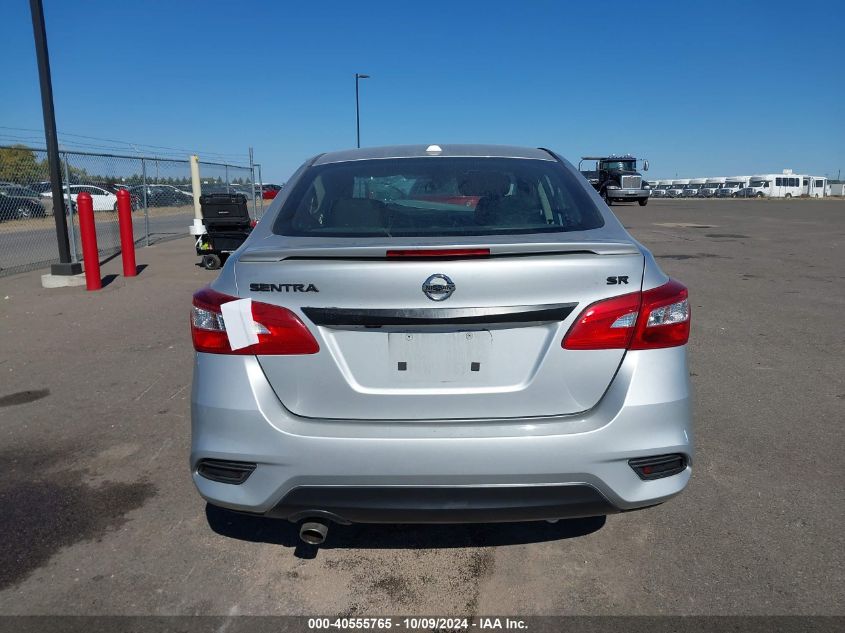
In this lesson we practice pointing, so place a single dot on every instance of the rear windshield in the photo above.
(437, 197)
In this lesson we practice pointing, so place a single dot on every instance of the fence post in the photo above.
(252, 184)
(261, 189)
(146, 210)
(74, 257)
(90, 252)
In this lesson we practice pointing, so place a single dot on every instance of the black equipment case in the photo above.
(227, 225)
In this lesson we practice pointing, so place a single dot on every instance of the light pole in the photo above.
(358, 76)
(65, 265)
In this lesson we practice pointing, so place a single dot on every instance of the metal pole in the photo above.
(144, 201)
(74, 256)
(357, 114)
(226, 169)
(65, 266)
(252, 184)
(261, 188)
(357, 107)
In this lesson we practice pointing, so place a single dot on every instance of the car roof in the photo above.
(421, 151)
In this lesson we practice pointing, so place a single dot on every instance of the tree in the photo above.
(18, 164)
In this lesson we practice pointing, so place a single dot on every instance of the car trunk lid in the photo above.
(447, 337)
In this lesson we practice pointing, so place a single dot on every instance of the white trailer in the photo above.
(837, 189)
(711, 186)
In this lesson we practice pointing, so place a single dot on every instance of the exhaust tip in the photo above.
(313, 532)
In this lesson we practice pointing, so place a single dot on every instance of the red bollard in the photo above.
(127, 239)
(88, 233)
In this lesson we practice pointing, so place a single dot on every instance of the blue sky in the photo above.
(701, 88)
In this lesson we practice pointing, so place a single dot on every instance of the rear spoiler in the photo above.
(275, 253)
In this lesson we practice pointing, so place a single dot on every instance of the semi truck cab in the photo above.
(616, 178)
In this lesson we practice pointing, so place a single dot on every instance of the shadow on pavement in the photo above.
(107, 279)
(395, 536)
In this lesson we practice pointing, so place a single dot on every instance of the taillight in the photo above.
(640, 320)
(606, 324)
(665, 317)
(279, 330)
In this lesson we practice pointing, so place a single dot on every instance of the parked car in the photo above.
(503, 352)
(215, 188)
(162, 196)
(103, 199)
(19, 203)
(268, 191)
(242, 189)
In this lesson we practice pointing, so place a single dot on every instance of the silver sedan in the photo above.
(452, 333)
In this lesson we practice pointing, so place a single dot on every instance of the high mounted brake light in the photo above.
(445, 253)
(640, 320)
(279, 330)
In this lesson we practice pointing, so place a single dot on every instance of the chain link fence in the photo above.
(162, 200)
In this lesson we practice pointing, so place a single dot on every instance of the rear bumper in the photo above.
(445, 504)
(441, 470)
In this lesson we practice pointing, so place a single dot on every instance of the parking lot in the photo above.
(100, 515)
(24, 242)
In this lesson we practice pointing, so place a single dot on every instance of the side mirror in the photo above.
(645, 165)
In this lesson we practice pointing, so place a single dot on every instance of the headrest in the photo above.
(357, 213)
(484, 183)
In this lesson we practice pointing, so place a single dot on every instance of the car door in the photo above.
(103, 200)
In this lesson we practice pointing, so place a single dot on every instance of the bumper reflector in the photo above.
(659, 466)
(225, 472)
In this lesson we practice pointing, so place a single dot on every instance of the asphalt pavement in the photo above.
(100, 515)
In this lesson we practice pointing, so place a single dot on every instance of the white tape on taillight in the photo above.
(240, 328)
(222, 324)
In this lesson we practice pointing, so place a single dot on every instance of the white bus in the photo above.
(815, 186)
(693, 187)
(656, 191)
(785, 185)
(733, 184)
(676, 188)
(711, 186)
